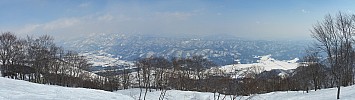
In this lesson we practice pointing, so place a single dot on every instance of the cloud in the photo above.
(151, 19)
(305, 11)
(84, 5)
(174, 15)
(53, 25)
(119, 17)
(112, 22)
(107, 17)
(28, 29)
(257, 22)
(60, 24)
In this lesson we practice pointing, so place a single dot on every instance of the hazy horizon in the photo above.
(266, 20)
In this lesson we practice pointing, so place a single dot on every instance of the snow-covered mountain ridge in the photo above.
(221, 51)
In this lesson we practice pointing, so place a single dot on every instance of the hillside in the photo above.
(22, 90)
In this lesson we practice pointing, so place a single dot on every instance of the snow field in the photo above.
(22, 90)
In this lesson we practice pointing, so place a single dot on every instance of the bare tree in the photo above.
(334, 35)
(7, 43)
(146, 65)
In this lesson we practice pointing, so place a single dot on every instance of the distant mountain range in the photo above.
(221, 49)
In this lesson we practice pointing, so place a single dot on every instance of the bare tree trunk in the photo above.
(139, 82)
(214, 95)
(145, 94)
(338, 93)
(140, 93)
(162, 94)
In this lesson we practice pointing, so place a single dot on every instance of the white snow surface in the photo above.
(170, 94)
(11, 89)
(101, 58)
(266, 63)
(347, 93)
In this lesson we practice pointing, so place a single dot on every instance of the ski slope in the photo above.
(22, 90)
(347, 93)
(170, 94)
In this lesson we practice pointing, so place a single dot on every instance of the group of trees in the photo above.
(39, 60)
(158, 73)
(335, 38)
(199, 74)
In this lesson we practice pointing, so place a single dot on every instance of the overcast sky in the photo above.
(255, 19)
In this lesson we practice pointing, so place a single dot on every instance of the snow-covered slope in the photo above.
(21, 90)
(347, 93)
(104, 59)
(170, 95)
(265, 63)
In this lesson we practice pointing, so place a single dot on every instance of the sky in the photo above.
(252, 19)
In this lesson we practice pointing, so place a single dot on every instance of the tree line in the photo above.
(40, 60)
(199, 74)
